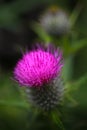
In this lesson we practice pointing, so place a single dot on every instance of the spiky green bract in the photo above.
(47, 97)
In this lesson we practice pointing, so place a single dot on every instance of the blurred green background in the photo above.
(17, 35)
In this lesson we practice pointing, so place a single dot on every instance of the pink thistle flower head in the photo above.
(38, 67)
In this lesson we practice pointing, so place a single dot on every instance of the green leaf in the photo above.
(41, 33)
(71, 88)
(76, 46)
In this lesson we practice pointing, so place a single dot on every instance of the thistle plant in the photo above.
(40, 72)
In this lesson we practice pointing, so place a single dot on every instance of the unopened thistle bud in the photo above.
(55, 22)
(40, 72)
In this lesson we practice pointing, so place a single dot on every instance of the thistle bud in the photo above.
(55, 22)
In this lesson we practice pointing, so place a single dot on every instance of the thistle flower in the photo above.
(40, 72)
(55, 22)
